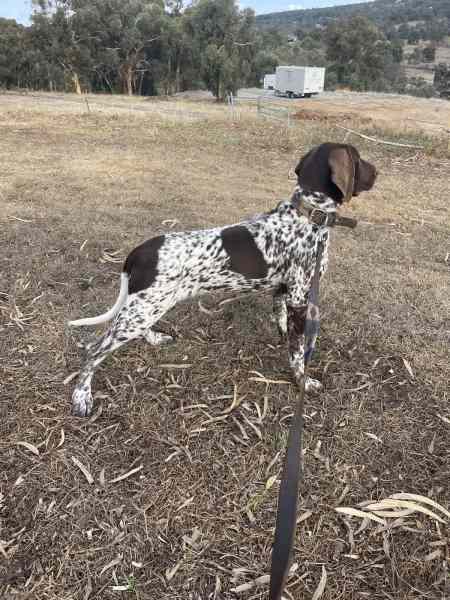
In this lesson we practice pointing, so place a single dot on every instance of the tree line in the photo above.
(355, 52)
(157, 47)
(408, 20)
(147, 47)
(374, 62)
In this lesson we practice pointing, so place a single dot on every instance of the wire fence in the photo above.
(239, 106)
(268, 107)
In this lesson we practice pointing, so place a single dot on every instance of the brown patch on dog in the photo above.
(142, 264)
(296, 326)
(245, 256)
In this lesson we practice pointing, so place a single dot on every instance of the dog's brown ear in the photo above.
(331, 169)
(313, 171)
(299, 168)
(342, 167)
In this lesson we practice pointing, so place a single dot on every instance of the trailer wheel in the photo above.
(308, 95)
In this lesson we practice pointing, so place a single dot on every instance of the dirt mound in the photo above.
(311, 115)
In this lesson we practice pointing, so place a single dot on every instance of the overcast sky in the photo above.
(20, 9)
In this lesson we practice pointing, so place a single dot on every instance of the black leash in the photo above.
(293, 461)
(293, 464)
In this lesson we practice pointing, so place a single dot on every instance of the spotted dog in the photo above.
(275, 251)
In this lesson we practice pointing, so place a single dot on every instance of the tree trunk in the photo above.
(219, 93)
(76, 82)
(128, 79)
(177, 77)
(169, 76)
(108, 83)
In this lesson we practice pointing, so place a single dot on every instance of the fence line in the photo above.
(268, 109)
(232, 101)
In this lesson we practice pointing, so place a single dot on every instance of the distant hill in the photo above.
(385, 13)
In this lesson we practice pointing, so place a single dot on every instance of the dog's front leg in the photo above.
(280, 310)
(296, 317)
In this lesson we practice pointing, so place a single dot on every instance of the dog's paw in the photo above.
(82, 402)
(282, 333)
(313, 386)
(281, 325)
(165, 339)
(157, 338)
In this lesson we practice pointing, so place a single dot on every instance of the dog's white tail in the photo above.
(112, 312)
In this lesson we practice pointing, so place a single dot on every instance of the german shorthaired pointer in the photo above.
(275, 250)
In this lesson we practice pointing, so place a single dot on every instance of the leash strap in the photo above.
(293, 461)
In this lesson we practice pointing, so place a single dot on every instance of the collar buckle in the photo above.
(322, 218)
(317, 215)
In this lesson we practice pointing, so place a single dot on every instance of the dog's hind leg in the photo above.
(156, 306)
(134, 321)
(116, 336)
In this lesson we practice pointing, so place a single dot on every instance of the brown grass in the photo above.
(179, 506)
(397, 114)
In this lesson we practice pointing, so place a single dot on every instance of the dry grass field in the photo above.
(405, 115)
(178, 495)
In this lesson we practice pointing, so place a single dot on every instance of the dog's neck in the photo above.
(319, 209)
(312, 200)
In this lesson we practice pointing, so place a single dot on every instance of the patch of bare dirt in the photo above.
(311, 115)
(393, 112)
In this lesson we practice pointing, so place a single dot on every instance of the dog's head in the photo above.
(336, 170)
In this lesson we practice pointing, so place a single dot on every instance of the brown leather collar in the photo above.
(324, 218)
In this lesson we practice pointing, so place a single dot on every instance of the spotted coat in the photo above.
(272, 251)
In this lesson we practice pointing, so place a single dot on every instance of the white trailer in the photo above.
(269, 81)
(299, 82)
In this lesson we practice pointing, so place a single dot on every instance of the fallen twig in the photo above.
(173, 366)
(13, 218)
(3, 552)
(262, 580)
(321, 587)
(29, 447)
(83, 469)
(126, 475)
(377, 141)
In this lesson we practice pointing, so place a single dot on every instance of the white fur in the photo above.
(112, 312)
(197, 262)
